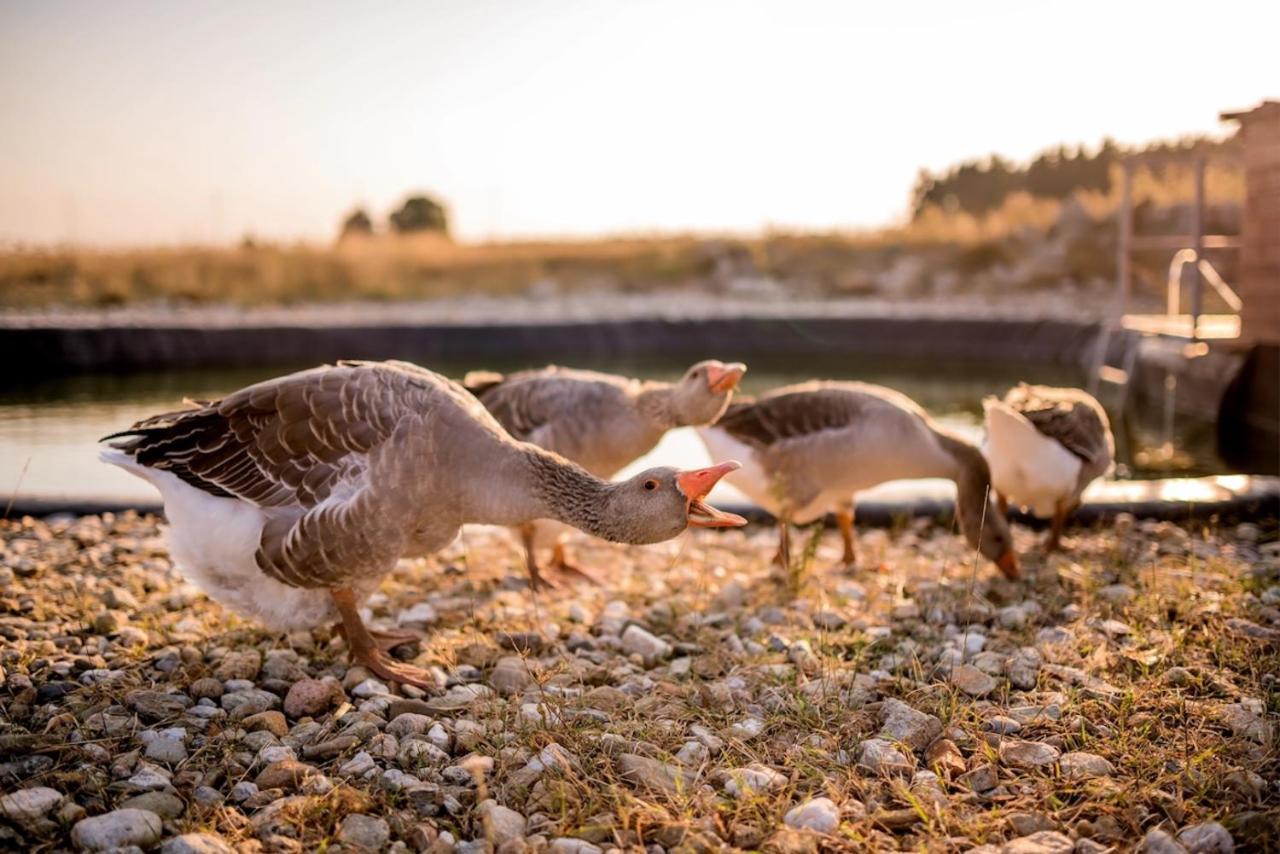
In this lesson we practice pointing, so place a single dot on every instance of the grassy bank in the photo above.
(1026, 244)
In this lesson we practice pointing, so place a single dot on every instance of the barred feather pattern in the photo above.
(336, 458)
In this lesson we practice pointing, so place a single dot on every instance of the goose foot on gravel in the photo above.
(560, 573)
(365, 649)
(386, 640)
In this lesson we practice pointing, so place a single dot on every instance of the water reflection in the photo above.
(49, 429)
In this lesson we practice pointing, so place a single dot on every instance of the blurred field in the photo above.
(1024, 244)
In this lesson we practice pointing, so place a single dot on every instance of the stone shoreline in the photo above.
(1123, 692)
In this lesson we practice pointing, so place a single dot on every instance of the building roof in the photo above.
(1267, 109)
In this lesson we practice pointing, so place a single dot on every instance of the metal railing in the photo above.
(1173, 292)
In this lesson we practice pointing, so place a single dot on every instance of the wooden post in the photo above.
(1197, 245)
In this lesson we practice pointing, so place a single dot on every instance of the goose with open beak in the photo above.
(290, 500)
(600, 421)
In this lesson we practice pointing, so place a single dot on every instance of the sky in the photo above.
(137, 122)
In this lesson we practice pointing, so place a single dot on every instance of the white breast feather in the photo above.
(751, 479)
(1030, 469)
(213, 540)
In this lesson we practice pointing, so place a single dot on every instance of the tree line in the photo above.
(981, 185)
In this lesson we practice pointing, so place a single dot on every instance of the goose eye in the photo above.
(651, 485)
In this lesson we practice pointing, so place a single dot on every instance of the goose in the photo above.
(808, 448)
(289, 500)
(601, 421)
(1045, 445)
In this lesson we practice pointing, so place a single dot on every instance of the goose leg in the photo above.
(385, 640)
(560, 560)
(364, 648)
(536, 581)
(844, 521)
(1060, 511)
(784, 544)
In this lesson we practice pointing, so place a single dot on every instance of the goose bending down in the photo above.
(290, 500)
(600, 421)
(1045, 445)
(809, 448)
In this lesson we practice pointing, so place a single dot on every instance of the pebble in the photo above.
(907, 725)
(636, 640)
(157, 705)
(984, 778)
(170, 751)
(196, 843)
(243, 790)
(248, 702)
(569, 845)
(163, 804)
(881, 757)
(206, 796)
(1001, 725)
(501, 824)
(409, 723)
(285, 774)
(1207, 838)
(312, 697)
(27, 804)
(118, 829)
(1083, 766)
(752, 779)
(945, 758)
(370, 688)
(819, 815)
(239, 664)
(1027, 754)
(646, 773)
(972, 681)
(419, 615)
(510, 675)
(147, 777)
(364, 832)
(1042, 842)
(359, 765)
(269, 721)
(1117, 594)
(1158, 842)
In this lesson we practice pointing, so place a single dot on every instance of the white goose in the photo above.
(809, 448)
(1045, 446)
(290, 500)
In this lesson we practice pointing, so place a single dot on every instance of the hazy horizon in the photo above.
(145, 123)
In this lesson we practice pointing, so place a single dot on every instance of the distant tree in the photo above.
(357, 224)
(420, 213)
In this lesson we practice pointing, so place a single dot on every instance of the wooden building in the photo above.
(1259, 276)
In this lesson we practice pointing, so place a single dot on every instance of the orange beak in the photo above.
(722, 378)
(695, 485)
(1008, 563)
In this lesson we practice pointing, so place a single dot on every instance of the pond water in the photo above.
(49, 429)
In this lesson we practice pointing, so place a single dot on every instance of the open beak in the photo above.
(723, 378)
(1008, 563)
(695, 485)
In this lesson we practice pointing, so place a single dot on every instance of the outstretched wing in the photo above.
(287, 441)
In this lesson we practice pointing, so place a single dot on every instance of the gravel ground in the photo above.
(1124, 696)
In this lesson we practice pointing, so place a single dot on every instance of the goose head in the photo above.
(984, 527)
(703, 393)
(659, 503)
(995, 542)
